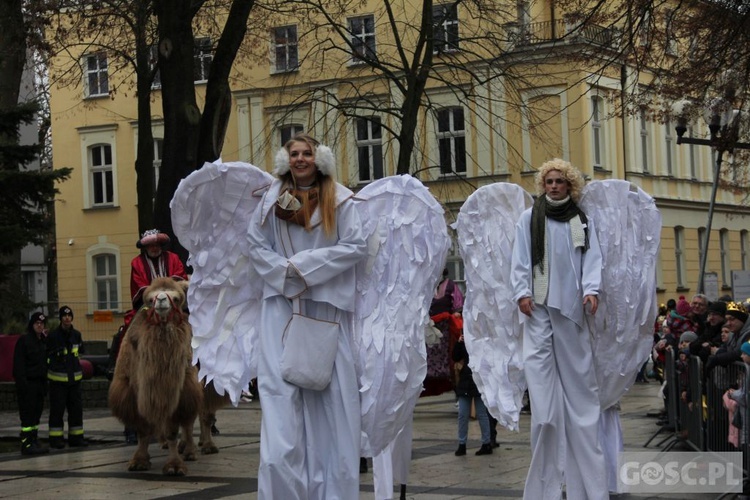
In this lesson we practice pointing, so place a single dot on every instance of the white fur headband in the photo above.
(324, 160)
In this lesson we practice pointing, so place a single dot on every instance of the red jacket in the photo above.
(168, 264)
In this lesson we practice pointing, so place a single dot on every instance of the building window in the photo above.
(445, 27)
(285, 48)
(744, 248)
(596, 130)
(369, 140)
(158, 152)
(362, 31)
(452, 140)
(669, 147)
(29, 284)
(679, 254)
(97, 78)
(644, 30)
(726, 262)
(692, 159)
(644, 141)
(286, 132)
(670, 46)
(202, 57)
(701, 243)
(100, 172)
(153, 60)
(105, 281)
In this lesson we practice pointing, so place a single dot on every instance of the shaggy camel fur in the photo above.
(155, 388)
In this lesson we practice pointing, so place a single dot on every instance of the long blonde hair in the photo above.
(326, 183)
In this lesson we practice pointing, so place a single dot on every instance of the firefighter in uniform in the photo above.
(64, 372)
(30, 374)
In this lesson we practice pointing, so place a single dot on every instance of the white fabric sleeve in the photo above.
(521, 271)
(592, 264)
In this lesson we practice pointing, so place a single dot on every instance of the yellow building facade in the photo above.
(502, 133)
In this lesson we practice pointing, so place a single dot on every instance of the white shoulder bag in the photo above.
(309, 345)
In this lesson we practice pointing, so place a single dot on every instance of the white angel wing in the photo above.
(486, 228)
(408, 244)
(211, 211)
(628, 226)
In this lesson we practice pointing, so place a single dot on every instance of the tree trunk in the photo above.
(218, 105)
(181, 113)
(144, 162)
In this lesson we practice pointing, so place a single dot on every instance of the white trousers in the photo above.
(392, 464)
(565, 411)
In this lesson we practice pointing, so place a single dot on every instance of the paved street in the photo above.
(100, 471)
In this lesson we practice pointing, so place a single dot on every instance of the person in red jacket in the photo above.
(154, 261)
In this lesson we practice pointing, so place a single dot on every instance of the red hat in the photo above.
(683, 307)
(152, 237)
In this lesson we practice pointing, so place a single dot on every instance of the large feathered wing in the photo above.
(486, 228)
(211, 211)
(407, 247)
(628, 226)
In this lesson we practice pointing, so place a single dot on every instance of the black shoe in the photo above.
(461, 451)
(486, 449)
(77, 442)
(214, 430)
(362, 465)
(494, 443)
(57, 443)
(30, 446)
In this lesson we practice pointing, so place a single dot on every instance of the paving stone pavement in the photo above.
(100, 471)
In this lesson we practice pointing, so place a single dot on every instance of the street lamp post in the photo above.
(723, 124)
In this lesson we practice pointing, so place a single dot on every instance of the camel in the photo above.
(155, 387)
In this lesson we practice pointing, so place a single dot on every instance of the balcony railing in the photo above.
(560, 31)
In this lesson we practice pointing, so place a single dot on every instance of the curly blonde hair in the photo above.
(569, 173)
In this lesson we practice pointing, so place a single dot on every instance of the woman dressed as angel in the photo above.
(305, 240)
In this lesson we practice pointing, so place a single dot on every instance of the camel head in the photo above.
(166, 300)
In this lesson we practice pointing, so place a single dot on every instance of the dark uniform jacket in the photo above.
(30, 359)
(63, 349)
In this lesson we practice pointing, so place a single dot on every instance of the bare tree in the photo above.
(419, 47)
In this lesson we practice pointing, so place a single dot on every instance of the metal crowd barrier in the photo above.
(704, 425)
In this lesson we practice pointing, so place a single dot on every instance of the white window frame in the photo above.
(158, 150)
(371, 146)
(726, 259)
(454, 138)
(202, 58)
(282, 41)
(645, 134)
(94, 280)
(598, 142)
(96, 81)
(153, 59)
(679, 255)
(446, 35)
(670, 151)
(701, 241)
(287, 131)
(101, 175)
(692, 155)
(670, 45)
(362, 39)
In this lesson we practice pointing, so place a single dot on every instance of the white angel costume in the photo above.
(374, 277)
(625, 222)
